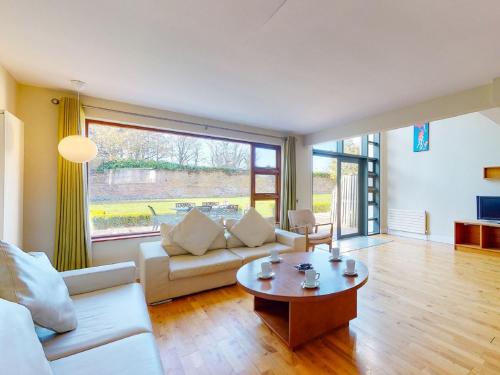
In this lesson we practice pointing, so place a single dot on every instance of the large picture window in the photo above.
(143, 177)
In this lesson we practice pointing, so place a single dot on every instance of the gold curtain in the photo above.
(288, 194)
(71, 242)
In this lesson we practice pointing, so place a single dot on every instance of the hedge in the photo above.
(165, 165)
(321, 207)
(112, 221)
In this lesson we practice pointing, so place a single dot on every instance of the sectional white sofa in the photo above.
(114, 333)
(164, 277)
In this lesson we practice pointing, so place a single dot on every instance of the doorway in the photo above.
(336, 194)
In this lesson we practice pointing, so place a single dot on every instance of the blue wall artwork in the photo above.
(421, 137)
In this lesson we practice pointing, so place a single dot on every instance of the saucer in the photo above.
(275, 261)
(306, 286)
(332, 259)
(265, 277)
(355, 273)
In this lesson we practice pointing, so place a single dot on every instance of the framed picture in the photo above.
(421, 137)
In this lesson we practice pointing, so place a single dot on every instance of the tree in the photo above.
(229, 155)
(185, 150)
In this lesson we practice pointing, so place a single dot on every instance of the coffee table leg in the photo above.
(308, 320)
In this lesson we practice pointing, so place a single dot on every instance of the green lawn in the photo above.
(167, 206)
(162, 207)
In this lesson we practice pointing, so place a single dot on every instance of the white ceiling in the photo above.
(306, 66)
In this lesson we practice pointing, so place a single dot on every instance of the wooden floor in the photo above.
(425, 309)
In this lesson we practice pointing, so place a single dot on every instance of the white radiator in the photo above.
(411, 221)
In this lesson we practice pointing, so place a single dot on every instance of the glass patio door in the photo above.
(348, 204)
(336, 192)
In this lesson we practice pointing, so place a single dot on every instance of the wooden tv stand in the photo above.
(477, 235)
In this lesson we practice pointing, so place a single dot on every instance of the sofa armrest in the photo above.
(94, 278)
(297, 241)
(154, 267)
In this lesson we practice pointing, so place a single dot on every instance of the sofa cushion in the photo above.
(196, 232)
(212, 261)
(167, 241)
(248, 254)
(252, 229)
(21, 352)
(174, 249)
(104, 316)
(132, 355)
(30, 280)
(233, 241)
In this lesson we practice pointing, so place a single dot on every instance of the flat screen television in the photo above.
(488, 208)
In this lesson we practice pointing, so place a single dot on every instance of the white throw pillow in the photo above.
(196, 232)
(233, 241)
(173, 249)
(21, 351)
(168, 243)
(32, 282)
(252, 229)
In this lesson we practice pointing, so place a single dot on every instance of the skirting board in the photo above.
(425, 237)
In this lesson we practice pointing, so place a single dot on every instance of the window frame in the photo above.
(364, 159)
(253, 172)
(254, 196)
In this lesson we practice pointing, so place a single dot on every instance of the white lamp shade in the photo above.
(77, 148)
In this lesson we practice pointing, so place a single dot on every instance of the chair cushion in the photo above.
(252, 229)
(319, 236)
(196, 232)
(104, 316)
(30, 280)
(251, 253)
(132, 355)
(182, 266)
(302, 218)
(21, 352)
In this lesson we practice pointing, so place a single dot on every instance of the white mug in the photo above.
(335, 252)
(311, 277)
(274, 254)
(266, 268)
(350, 265)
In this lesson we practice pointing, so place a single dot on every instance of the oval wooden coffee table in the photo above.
(298, 315)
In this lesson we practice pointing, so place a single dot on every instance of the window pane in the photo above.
(371, 166)
(371, 226)
(372, 150)
(371, 197)
(266, 208)
(324, 188)
(371, 182)
(352, 146)
(374, 137)
(371, 212)
(265, 184)
(142, 178)
(326, 146)
(265, 157)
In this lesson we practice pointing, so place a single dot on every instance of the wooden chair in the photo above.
(304, 222)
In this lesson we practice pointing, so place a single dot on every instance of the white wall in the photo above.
(445, 180)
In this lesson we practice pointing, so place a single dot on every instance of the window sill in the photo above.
(118, 237)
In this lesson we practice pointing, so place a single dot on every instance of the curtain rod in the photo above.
(185, 122)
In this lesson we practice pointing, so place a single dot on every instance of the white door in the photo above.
(12, 138)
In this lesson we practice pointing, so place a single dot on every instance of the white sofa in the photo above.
(164, 277)
(114, 333)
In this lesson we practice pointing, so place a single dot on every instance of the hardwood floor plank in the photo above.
(426, 309)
